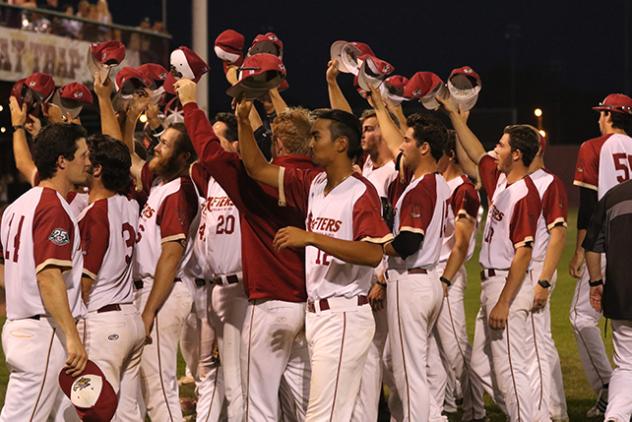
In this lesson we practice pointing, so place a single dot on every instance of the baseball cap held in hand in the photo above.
(257, 75)
(90, 393)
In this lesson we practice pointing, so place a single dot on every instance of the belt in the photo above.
(112, 307)
(139, 284)
(491, 272)
(417, 270)
(36, 317)
(226, 279)
(324, 305)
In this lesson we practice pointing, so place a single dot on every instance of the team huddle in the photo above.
(300, 261)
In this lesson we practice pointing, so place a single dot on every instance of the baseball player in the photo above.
(274, 356)
(342, 243)
(218, 250)
(415, 291)
(40, 247)
(508, 237)
(546, 373)
(609, 233)
(601, 164)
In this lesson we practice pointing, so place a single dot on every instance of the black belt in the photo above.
(36, 317)
(230, 279)
(324, 303)
(112, 307)
(490, 272)
(418, 270)
(138, 284)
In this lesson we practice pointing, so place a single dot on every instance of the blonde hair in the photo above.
(293, 128)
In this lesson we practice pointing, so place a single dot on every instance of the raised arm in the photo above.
(109, 122)
(21, 152)
(136, 108)
(397, 111)
(337, 99)
(278, 102)
(470, 142)
(390, 132)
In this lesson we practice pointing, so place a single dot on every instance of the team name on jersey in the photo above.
(496, 213)
(218, 202)
(323, 224)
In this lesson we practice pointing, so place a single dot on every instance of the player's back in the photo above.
(615, 162)
(116, 220)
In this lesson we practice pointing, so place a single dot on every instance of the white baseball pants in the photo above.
(274, 355)
(585, 323)
(619, 398)
(414, 305)
(210, 391)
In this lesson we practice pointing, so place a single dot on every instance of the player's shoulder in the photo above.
(531, 191)
(593, 144)
(362, 186)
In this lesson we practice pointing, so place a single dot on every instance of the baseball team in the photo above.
(306, 264)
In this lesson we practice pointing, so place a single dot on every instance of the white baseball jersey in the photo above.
(464, 203)
(108, 235)
(512, 217)
(167, 216)
(350, 211)
(217, 245)
(554, 210)
(38, 230)
(380, 177)
(422, 209)
(77, 200)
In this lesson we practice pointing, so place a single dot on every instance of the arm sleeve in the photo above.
(524, 220)
(417, 207)
(53, 237)
(294, 186)
(407, 243)
(368, 224)
(587, 204)
(555, 204)
(587, 167)
(465, 202)
(95, 233)
(176, 215)
(488, 172)
(146, 178)
(595, 240)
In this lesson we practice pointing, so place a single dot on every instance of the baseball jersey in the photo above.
(77, 200)
(350, 211)
(267, 272)
(554, 210)
(512, 217)
(604, 162)
(380, 177)
(421, 209)
(39, 230)
(167, 216)
(464, 203)
(217, 245)
(108, 230)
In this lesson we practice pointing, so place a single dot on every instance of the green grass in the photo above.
(578, 394)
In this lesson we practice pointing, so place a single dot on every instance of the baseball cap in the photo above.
(103, 56)
(184, 63)
(464, 85)
(129, 79)
(90, 393)
(42, 85)
(393, 89)
(72, 97)
(229, 46)
(424, 86)
(21, 93)
(617, 103)
(257, 75)
(372, 71)
(347, 54)
(266, 43)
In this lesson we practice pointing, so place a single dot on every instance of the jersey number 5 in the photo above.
(622, 162)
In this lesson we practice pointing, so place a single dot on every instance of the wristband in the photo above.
(16, 127)
(595, 283)
(544, 283)
(445, 281)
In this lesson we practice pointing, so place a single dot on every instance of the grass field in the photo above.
(578, 394)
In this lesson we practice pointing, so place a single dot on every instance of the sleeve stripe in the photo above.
(557, 222)
(53, 262)
(412, 229)
(524, 242)
(172, 238)
(378, 240)
(281, 175)
(584, 185)
(90, 274)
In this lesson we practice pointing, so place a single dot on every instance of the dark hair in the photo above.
(183, 143)
(431, 130)
(621, 121)
(344, 124)
(231, 124)
(450, 145)
(526, 139)
(57, 139)
(114, 159)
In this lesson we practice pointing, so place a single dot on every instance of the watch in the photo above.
(595, 283)
(544, 283)
(445, 281)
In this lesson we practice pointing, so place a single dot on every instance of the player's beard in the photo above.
(164, 167)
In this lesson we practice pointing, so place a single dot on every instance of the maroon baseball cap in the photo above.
(153, 72)
(347, 54)
(184, 64)
(229, 46)
(464, 85)
(257, 75)
(356, 84)
(266, 43)
(372, 71)
(103, 56)
(42, 85)
(21, 93)
(424, 86)
(393, 88)
(617, 103)
(91, 393)
(72, 97)
(130, 79)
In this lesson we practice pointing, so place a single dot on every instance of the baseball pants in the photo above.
(619, 398)
(508, 348)
(35, 353)
(455, 347)
(210, 391)
(159, 361)
(546, 372)
(274, 356)
(338, 340)
(414, 305)
(585, 323)
(436, 374)
(226, 314)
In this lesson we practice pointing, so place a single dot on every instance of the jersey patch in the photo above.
(59, 237)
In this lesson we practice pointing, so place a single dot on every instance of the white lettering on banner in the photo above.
(23, 53)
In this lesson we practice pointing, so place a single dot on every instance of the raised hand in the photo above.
(332, 71)
(186, 90)
(18, 113)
